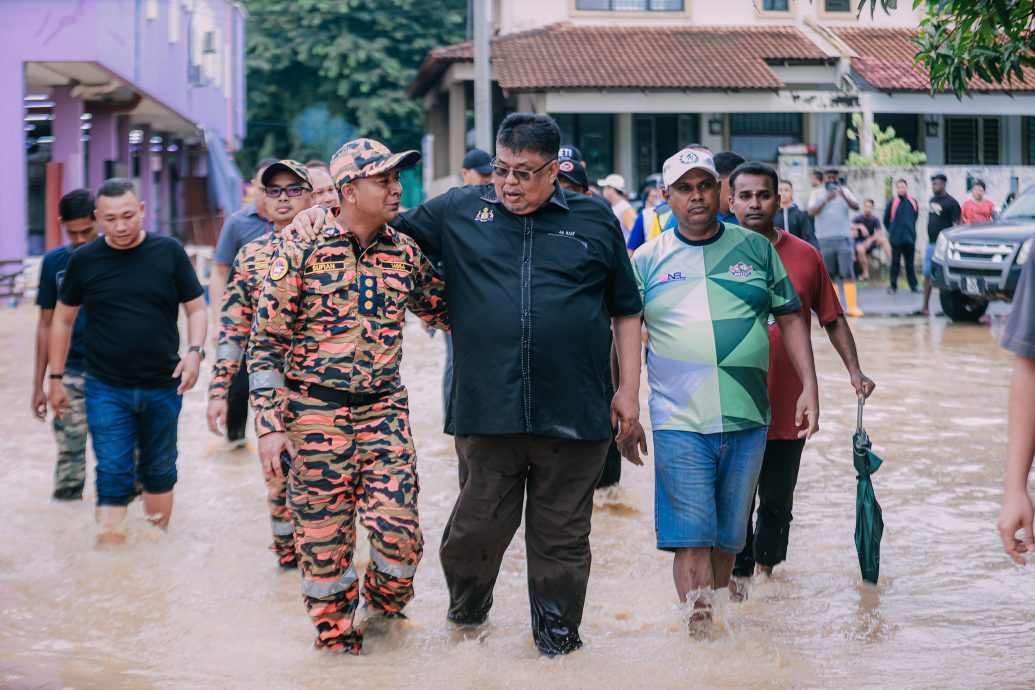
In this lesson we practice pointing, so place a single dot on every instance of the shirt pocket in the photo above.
(562, 255)
(396, 286)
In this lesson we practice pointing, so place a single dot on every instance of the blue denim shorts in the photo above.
(928, 255)
(703, 487)
(134, 438)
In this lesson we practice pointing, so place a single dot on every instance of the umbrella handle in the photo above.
(859, 416)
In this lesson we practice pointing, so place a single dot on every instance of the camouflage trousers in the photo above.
(70, 434)
(353, 460)
(280, 521)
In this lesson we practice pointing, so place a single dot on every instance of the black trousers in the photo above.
(612, 465)
(900, 252)
(767, 542)
(237, 404)
(559, 476)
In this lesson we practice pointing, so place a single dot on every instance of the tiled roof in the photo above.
(562, 56)
(885, 61)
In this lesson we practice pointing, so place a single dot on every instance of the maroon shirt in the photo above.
(812, 283)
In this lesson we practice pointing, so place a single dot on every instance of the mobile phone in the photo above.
(285, 461)
(831, 186)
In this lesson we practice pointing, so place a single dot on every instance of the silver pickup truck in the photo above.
(976, 264)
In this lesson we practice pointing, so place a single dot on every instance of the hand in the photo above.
(625, 413)
(832, 193)
(862, 384)
(1016, 514)
(305, 225)
(270, 447)
(808, 407)
(58, 398)
(216, 415)
(39, 404)
(634, 444)
(188, 367)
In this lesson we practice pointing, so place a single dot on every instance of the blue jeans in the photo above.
(704, 484)
(124, 419)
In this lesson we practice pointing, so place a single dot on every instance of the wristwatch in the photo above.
(197, 348)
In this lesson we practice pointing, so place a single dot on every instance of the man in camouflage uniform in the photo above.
(330, 317)
(288, 189)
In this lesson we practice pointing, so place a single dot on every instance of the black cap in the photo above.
(477, 160)
(573, 172)
(569, 151)
(939, 176)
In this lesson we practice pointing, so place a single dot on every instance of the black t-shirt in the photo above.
(871, 223)
(52, 271)
(133, 296)
(530, 301)
(944, 213)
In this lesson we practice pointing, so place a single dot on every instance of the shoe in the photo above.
(915, 291)
(291, 564)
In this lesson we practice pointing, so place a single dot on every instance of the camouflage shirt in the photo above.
(332, 314)
(235, 317)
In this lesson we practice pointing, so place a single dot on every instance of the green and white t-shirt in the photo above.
(706, 306)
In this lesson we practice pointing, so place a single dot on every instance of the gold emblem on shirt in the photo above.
(279, 268)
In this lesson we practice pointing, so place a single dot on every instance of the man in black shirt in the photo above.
(131, 283)
(536, 279)
(943, 214)
(900, 219)
(793, 219)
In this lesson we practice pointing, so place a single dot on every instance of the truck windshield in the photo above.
(1022, 207)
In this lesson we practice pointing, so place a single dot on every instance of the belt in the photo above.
(335, 395)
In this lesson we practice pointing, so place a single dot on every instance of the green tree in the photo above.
(888, 149)
(321, 70)
(962, 39)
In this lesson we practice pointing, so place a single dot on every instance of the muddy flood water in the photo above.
(203, 605)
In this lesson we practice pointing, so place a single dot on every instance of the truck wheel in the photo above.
(962, 308)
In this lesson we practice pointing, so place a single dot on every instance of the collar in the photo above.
(334, 229)
(556, 198)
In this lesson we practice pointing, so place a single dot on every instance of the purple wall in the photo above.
(119, 36)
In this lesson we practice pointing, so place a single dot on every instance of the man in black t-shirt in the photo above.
(75, 211)
(868, 235)
(943, 214)
(131, 283)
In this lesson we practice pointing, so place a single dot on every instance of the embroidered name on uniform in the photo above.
(368, 298)
(397, 266)
(261, 266)
(485, 215)
(741, 270)
(325, 267)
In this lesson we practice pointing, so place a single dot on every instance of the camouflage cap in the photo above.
(286, 165)
(366, 158)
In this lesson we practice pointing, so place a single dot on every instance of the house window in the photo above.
(837, 6)
(630, 5)
(1029, 140)
(972, 141)
(758, 136)
(594, 135)
(776, 5)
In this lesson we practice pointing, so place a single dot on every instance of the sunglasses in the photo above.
(291, 190)
(521, 175)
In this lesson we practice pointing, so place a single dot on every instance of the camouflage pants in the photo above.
(353, 460)
(280, 521)
(70, 434)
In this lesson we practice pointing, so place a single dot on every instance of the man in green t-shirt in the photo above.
(708, 291)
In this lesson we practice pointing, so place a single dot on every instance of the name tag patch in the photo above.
(325, 267)
(368, 297)
(397, 266)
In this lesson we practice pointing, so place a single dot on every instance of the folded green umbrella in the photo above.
(869, 521)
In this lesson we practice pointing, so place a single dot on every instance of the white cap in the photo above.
(685, 161)
(613, 180)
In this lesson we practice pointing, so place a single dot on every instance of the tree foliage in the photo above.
(963, 39)
(888, 150)
(319, 70)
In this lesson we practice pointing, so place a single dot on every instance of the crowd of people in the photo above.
(547, 290)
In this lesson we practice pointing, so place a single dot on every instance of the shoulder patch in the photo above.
(278, 268)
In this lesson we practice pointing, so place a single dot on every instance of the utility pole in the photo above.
(482, 75)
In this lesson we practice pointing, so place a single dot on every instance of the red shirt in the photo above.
(812, 283)
(976, 211)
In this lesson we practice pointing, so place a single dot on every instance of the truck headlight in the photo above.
(1022, 255)
(942, 247)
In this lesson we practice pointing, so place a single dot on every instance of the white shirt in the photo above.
(834, 221)
(619, 210)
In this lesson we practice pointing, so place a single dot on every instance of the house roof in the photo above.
(885, 60)
(562, 56)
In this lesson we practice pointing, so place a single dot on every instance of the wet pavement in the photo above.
(204, 605)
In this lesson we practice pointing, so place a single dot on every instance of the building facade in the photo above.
(631, 81)
(147, 89)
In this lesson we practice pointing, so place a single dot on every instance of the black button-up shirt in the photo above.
(530, 300)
